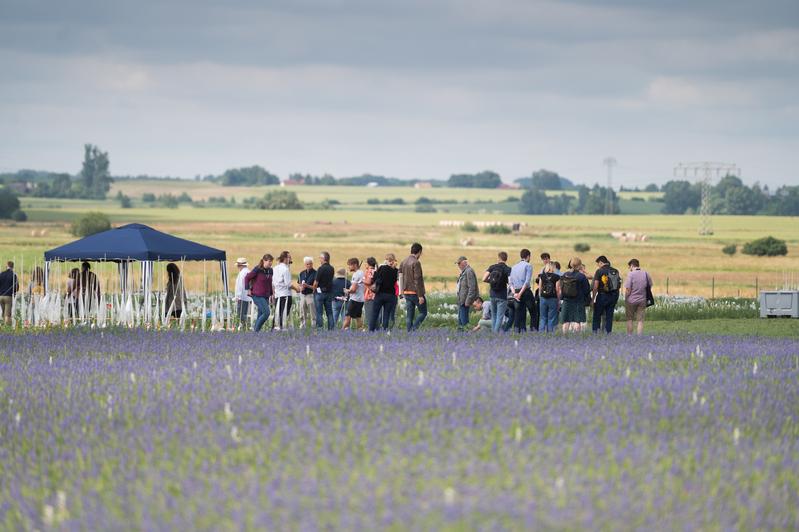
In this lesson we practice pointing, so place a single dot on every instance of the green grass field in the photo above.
(674, 253)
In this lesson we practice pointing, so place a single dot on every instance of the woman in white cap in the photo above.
(242, 299)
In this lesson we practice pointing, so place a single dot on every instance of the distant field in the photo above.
(359, 196)
(674, 250)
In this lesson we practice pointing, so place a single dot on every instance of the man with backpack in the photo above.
(497, 278)
(605, 294)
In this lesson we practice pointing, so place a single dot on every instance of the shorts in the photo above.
(634, 311)
(355, 309)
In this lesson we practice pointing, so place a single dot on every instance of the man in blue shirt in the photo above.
(520, 280)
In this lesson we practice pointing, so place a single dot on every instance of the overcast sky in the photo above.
(410, 88)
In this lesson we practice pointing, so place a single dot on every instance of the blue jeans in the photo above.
(385, 303)
(338, 307)
(548, 321)
(510, 315)
(324, 303)
(498, 307)
(463, 316)
(262, 304)
(411, 304)
(604, 305)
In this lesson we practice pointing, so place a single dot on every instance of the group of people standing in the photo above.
(552, 297)
(369, 300)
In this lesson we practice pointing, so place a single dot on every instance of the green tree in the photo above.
(279, 200)
(785, 201)
(249, 176)
(596, 201)
(534, 201)
(91, 223)
(743, 200)
(485, 179)
(95, 179)
(9, 202)
(546, 180)
(680, 196)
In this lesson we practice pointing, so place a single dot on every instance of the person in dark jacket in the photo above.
(259, 287)
(605, 294)
(339, 296)
(323, 292)
(575, 292)
(385, 281)
(9, 286)
(89, 287)
(467, 291)
(175, 294)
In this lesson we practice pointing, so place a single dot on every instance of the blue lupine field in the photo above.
(163, 430)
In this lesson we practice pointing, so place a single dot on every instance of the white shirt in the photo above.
(241, 290)
(281, 280)
(357, 280)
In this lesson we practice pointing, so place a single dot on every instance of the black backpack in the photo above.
(614, 280)
(497, 279)
(568, 286)
(548, 289)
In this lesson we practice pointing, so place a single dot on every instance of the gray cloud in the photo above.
(414, 89)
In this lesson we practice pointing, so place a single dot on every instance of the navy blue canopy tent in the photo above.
(136, 242)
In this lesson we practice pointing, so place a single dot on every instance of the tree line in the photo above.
(729, 196)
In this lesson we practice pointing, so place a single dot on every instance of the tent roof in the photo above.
(133, 242)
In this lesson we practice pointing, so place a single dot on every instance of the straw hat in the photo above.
(241, 261)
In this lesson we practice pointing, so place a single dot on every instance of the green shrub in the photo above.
(90, 223)
(425, 207)
(582, 247)
(19, 216)
(148, 197)
(469, 227)
(497, 229)
(766, 247)
(280, 200)
(729, 250)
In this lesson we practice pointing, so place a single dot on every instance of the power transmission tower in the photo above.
(609, 162)
(705, 172)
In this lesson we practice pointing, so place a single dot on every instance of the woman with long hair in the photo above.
(175, 293)
(574, 290)
(259, 286)
(281, 284)
(385, 287)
